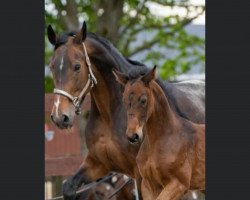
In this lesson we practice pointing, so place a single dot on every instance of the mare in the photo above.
(171, 158)
(82, 62)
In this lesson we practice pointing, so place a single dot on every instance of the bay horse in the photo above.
(82, 62)
(171, 158)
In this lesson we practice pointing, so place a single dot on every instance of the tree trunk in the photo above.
(107, 24)
(69, 21)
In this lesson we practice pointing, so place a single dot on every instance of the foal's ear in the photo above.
(151, 75)
(81, 36)
(51, 35)
(120, 77)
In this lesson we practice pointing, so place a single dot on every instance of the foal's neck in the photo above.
(163, 120)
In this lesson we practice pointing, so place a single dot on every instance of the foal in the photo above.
(171, 158)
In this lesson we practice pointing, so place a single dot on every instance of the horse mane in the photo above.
(122, 62)
(135, 62)
(135, 73)
(63, 38)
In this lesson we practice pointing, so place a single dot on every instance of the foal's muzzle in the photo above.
(134, 139)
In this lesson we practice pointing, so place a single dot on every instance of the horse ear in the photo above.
(81, 36)
(51, 35)
(151, 75)
(120, 77)
(84, 31)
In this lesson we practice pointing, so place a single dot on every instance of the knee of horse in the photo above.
(69, 191)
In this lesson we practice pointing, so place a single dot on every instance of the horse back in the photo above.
(188, 98)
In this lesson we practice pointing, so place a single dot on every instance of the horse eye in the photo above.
(77, 67)
(143, 100)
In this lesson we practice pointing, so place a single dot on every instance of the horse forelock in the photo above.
(63, 38)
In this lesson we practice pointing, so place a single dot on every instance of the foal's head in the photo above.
(139, 101)
(70, 74)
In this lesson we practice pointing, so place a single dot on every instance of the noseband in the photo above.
(91, 80)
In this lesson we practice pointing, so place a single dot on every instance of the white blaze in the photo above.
(61, 65)
(57, 105)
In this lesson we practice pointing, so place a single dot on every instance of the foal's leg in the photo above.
(90, 171)
(147, 194)
(174, 190)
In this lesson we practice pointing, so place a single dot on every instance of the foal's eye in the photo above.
(143, 100)
(77, 67)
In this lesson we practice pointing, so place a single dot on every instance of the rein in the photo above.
(91, 81)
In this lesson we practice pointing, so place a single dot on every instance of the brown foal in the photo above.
(171, 158)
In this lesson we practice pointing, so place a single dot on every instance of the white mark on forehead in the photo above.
(61, 64)
(57, 105)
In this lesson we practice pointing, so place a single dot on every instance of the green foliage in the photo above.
(49, 85)
(168, 31)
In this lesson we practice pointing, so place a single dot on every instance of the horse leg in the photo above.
(89, 171)
(174, 190)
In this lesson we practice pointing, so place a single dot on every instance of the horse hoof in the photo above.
(69, 192)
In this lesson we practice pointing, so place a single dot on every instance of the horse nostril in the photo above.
(65, 119)
(135, 137)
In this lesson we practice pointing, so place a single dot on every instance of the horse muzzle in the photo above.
(62, 121)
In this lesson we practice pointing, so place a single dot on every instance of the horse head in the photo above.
(72, 75)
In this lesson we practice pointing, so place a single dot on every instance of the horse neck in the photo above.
(106, 95)
(163, 120)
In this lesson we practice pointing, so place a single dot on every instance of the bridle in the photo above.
(76, 101)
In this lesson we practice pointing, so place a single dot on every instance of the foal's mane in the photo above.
(135, 73)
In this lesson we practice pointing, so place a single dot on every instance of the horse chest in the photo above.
(107, 152)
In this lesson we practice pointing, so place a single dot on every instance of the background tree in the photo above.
(120, 21)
